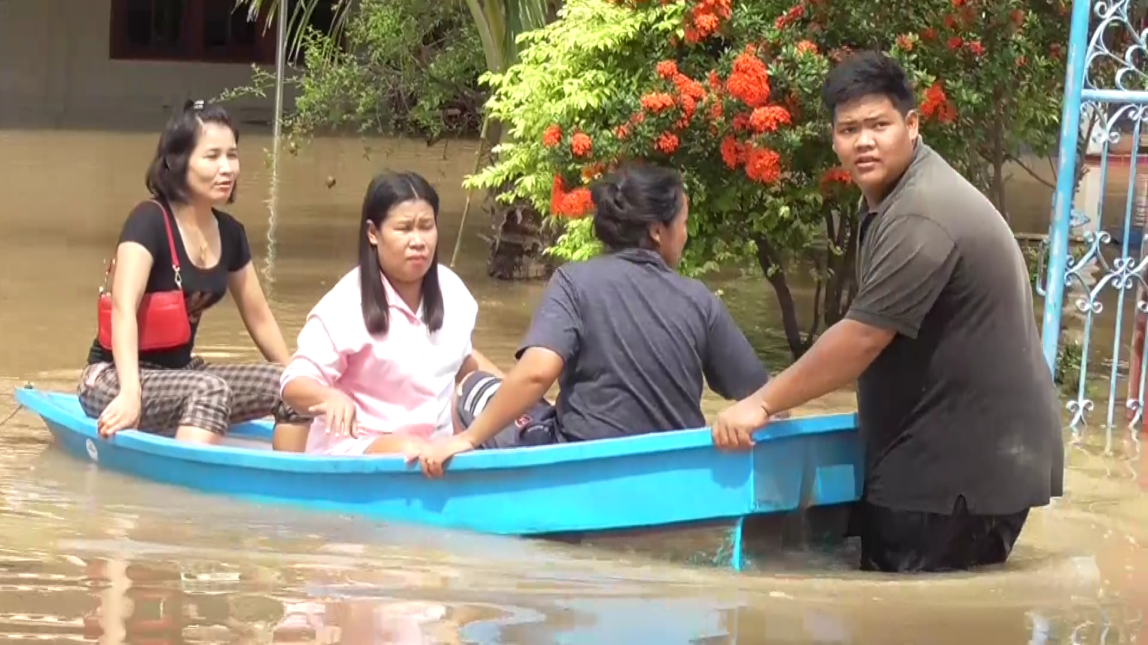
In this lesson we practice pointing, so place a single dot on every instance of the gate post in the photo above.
(1065, 181)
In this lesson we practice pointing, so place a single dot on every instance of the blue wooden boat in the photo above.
(688, 500)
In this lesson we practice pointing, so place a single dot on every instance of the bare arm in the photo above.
(304, 392)
(133, 265)
(256, 314)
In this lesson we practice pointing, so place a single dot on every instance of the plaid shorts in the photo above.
(210, 397)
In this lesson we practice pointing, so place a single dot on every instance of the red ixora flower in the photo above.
(762, 165)
(976, 48)
(768, 118)
(575, 203)
(834, 176)
(552, 136)
(688, 87)
(657, 102)
(937, 105)
(690, 93)
(667, 143)
(580, 144)
(806, 47)
(732, 152)
(706, 18)
(749, 80)
(795, 13)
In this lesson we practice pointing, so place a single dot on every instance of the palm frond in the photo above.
(300, 17)
(499, 23)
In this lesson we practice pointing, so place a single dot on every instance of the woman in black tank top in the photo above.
(178, 240)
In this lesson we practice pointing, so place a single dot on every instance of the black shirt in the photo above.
(202, 287)
(637, 338)
(961, 403)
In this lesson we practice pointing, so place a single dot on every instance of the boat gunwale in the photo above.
(46, 404)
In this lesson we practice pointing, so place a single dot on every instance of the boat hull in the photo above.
(672, 483)
(736, 543)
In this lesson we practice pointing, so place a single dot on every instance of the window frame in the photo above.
(191, 47)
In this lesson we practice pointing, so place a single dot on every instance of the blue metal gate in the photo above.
(1094, 307)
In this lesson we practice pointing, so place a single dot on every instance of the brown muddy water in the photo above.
(90, 556)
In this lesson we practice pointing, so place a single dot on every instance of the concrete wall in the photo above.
(55, 71)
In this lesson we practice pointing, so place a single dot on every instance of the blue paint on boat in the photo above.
(736, 555)
(647, 481)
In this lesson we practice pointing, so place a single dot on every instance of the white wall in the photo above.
(55, 70)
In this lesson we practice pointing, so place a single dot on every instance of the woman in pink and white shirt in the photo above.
(380, 355)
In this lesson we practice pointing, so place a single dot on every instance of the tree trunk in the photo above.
(771, 268)
(518, 232)
(840, 286)
(998, 160)
(519, 239)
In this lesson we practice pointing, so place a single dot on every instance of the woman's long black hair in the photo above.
(384, 193)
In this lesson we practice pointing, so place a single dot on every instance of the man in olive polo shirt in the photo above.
(957, 408)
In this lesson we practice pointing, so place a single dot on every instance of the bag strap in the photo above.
(170, 247)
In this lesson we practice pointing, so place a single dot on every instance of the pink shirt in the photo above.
(401, 381)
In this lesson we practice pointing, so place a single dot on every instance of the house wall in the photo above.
(55, 71)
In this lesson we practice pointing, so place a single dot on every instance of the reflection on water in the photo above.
(90, 556)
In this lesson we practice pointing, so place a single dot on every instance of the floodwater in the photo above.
(91, 556)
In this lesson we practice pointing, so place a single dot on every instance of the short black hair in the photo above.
(167, 174)
(384, 193)
(867, 73)
(631, 199)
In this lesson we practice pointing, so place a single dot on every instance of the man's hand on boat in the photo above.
(339, 411)
(736, 424)
(123, 412)
(432, 457)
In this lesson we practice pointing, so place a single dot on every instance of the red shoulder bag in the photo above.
(161, 317)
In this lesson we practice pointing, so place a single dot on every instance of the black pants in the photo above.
(538, 427)
(907, 541)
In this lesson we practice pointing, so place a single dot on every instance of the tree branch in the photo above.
(1030, 171)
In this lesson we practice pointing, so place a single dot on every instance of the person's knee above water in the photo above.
(176, 257)
(380, 355)
(630, 342)
(956, 404)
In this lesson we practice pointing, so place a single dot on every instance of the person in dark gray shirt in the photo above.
(626, 337)
(957, 408)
